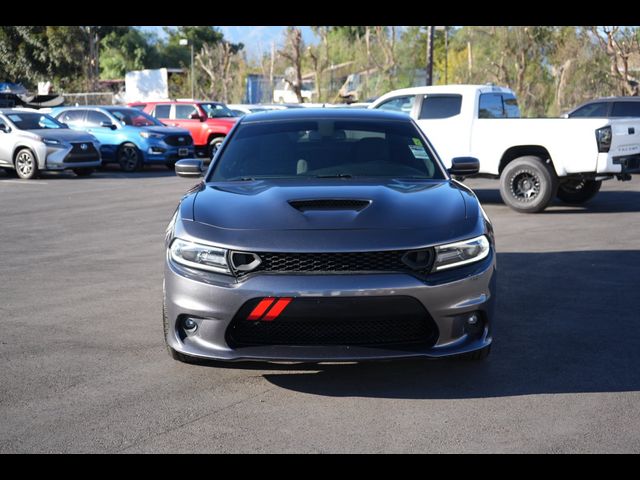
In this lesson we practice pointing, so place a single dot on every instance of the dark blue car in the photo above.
(129, 136)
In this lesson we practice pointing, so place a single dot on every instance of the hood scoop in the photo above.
(332, 204)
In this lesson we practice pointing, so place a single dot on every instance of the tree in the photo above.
(218, 61)
(620, 44)
(293, 52)
(124, 51)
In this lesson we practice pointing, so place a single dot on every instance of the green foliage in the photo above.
(121, 52)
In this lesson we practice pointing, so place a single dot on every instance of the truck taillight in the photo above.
(603, 137)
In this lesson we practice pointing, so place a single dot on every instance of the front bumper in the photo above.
(64, 157)
(449, 298)
(160, 152)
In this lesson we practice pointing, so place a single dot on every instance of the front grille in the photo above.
(361, 321)
(329, 204)
(79, 154)
(174, 140)
(350, 262)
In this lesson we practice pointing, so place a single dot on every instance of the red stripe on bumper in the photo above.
(257, 312)
(277, 309)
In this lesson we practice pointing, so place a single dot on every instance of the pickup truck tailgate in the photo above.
(625, 143)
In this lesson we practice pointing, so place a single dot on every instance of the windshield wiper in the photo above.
(336, 175)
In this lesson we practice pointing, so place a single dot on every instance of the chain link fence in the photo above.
(90, 98)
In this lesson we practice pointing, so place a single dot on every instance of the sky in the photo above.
(257, 39)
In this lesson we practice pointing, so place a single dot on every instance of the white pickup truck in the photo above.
(536, 159)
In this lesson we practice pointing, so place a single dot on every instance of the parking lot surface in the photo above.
(84, 367)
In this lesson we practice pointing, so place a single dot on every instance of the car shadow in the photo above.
(565, 322)
(619, 201)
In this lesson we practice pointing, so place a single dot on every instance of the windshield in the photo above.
(326, 149)
(216, 110)
(34, 121)
(135, 117)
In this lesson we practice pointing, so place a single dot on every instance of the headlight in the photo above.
(159, 136)
(460, 253)
(51, 141)
(202, 257)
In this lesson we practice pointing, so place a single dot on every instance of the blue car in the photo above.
(129, 136)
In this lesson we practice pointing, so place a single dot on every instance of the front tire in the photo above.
(577, 192)
(26, 164)
(83, 172)
(528, 185)
(129, 158)
(214, 144)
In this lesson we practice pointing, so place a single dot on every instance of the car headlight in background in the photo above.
(158, 136)
(202, 257)
(51, 141)
(461, 253)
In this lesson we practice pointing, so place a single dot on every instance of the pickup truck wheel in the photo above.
(26, 164)
(214, 144)
(528, 185)
(576, 192)
(129, 157)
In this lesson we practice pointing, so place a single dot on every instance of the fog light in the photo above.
(190, 325)
(473, 319)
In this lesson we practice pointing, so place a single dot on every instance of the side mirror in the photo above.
(64, 125)
(189, 167)
(106, 124)
(464, 166)
(196, 116)
(4, 128)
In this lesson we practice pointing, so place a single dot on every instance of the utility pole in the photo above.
(186, 41)
(429, 79)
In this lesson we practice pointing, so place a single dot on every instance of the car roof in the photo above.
(7, 111)
(326, 113)
(613, 99)
(154, 102)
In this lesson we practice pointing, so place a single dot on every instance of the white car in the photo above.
(283, 92)
(536, 159)
(242, 109)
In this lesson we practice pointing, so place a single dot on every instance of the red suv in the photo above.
(208, 122)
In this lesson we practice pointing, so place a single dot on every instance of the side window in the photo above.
(94, 118)
(440, 106)
(72, 117)
(626, 109)
(398, 104)
(490, 106)
(598, 109)
(510, 103)
(162, 111)
(184, 111)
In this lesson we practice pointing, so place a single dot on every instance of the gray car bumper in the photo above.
(448, 298)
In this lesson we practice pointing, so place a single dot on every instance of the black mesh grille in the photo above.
(79, 154)
(174, 140)
(355, 262)
(371, 321)
(329, 204)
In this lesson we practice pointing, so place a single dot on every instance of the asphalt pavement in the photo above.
(84, 367)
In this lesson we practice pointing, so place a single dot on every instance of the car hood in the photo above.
(166, 130)
(397, 214)
(64, 134)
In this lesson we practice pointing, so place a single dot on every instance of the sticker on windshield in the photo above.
(416, 141)
(14, 117)
(419, 152)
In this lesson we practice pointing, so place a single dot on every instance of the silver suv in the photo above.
(31, 141)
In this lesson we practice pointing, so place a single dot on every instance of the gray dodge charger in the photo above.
(328, 235)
